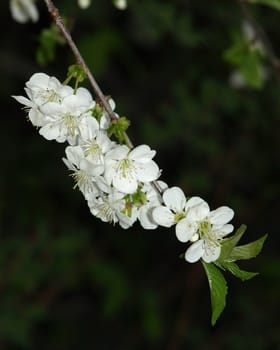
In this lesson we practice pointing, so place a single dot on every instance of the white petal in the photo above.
(221, 216)
(84, 4)
(50, 131)
(120, 152)
(146, 219)
(195, 251)
(68, 164)
(120, 4)
(105, 122)
(38, 80)
(52, 109)
(147, 172)
(110, 171)
(74, 154)
(211, 253)
(142, 154)
(84, 96)
(24, 10)
(175, 199)
(163, 216)
(125, 184)
(37, 118)
(198, 212)
(193, 201)
(23, 100)
(90, 168)
(222, 230)
(103, 141)
(88, 128)
(185, 230)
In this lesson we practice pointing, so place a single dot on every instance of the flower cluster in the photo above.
(119, 183)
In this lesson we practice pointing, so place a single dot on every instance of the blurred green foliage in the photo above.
(68, 281)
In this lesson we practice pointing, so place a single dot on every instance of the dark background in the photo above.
(69, 281)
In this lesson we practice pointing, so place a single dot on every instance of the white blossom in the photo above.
(94, 142)
(24, 10)
(125, 168)
(41, 89)
(63, 121)
(120, 4)
(83, 171)
(174, 208)
(110, 207)
(153, 200)
(206, 228)
(84, 4)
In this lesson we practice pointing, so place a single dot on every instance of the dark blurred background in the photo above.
(69, 281)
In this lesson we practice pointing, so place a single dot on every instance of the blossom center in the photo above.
(70, 122)
(125, 168)
(93, 149)
(207, 234)
(179, 216)
(49, 95)
(83, 180)
(105, 211)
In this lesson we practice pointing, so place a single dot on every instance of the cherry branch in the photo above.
(54, 12)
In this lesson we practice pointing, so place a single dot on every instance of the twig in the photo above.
(98, 92)
(59, 23)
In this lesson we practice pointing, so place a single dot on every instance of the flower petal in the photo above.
(125, 184)
(222, 230)
(195, 251)
(193, 201)
(163, 216)
(92, 169)
(148, 172)
(146, 219)
(74, 154)
(50, 131)
(175, 199)
(198, 212)
(211, 253)
(142, 154)
(120, 152)
(185, 230)
(221, 216)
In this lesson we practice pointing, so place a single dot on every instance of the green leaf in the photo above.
(247, 58)
(229, 243)
(251, 69)
(247, 251)
(218, 290)
(237, 272)
(272, 3)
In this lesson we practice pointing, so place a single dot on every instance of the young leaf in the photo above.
(118, 128)
(77, 72)
(218, 290)
(251, 69)
(272, 3)
(237, 272)
(229, 243)
(247, 58)
(247, 251)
